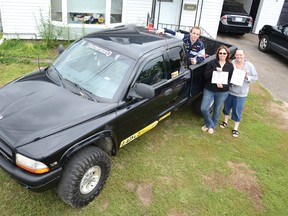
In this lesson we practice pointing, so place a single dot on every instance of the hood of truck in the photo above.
(34, 107)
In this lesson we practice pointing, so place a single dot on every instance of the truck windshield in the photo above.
(94, 68)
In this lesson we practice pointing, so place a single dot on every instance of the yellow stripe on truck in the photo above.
(138, 134)
(143, 131)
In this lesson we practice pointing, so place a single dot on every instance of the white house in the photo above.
(74, 18)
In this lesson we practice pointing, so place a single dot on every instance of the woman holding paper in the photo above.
(244, 74)
(218, 74)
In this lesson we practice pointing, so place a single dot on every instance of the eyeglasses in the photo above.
(222, 53)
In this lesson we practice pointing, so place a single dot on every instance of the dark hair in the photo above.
(227, 51)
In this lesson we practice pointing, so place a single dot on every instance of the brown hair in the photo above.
(196, 27)
(227, 51)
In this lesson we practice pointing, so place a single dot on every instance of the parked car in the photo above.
(234, 19)
(60, 124)
(274, 38)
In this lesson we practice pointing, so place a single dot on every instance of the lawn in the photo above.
(175, 169)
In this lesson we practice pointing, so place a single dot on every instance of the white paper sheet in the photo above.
(238, 77)
(220, 77)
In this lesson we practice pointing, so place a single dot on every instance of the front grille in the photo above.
(5, 151)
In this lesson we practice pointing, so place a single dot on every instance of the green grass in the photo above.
(177, 169)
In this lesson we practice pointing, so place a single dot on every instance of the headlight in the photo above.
(31, 165)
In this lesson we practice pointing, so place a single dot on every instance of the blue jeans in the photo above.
(207, 100)
(236, 104)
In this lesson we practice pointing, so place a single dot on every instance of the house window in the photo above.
(116, 11)
(87, 11)
(56, 10)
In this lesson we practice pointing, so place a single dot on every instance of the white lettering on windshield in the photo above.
(98, 49)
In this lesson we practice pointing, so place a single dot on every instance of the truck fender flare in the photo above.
(105, 140)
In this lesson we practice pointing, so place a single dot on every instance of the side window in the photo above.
(177, 59)
(153, 72)
(285, 31)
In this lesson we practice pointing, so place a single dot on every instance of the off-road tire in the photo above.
(264, 43)
(70, 188)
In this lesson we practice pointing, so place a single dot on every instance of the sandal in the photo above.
(210, 130)
(235, 133)
(223, 125)
(204, 128)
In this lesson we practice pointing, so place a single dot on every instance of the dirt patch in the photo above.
(104, 205)
(258, 89)
(279, 112)
(242, 179)
(245, 180)
(144, 194)
(177, 213)
(130, 186)
(215, 181)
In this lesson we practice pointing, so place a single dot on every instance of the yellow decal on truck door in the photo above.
(138, 134)
(142, 131)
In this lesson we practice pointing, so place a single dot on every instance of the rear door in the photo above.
(279, 40)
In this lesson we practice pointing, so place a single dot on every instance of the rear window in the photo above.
(233, 8)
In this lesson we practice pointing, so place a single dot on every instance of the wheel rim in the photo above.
(90, 179)
(263, 43)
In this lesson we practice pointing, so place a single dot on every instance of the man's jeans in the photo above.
(207, 100)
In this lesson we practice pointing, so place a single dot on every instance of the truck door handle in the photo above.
(167, 92)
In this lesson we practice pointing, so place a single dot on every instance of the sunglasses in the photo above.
(220, 53)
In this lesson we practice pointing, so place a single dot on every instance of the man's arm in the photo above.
(170, 31)
(201, 54)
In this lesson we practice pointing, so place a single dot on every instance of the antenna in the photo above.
(39, 63)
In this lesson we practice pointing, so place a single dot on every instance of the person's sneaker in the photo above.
(210, 130)
(204, 128)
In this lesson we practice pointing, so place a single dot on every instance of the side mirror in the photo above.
(141, 90)
(60, 48)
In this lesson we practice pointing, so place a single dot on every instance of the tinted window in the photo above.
(285, 31)
(153, 72)
(233, 8)
(177, 59)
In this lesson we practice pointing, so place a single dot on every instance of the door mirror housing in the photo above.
(60, 48)
(141, 90)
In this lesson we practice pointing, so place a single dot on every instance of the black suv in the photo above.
(234, 19)
(274, 38)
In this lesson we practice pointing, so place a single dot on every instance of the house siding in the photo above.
(208, 19)
(266, 17)
(23, 17)
(211, 16)
(137, 10)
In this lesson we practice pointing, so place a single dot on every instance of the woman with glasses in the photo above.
(238, 92)
(218, 74)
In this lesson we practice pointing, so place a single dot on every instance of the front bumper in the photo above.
(33, 182)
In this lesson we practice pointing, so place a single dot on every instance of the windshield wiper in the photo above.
(87, 93)
(59, 76)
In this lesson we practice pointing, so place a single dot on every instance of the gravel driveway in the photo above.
(272, 68)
